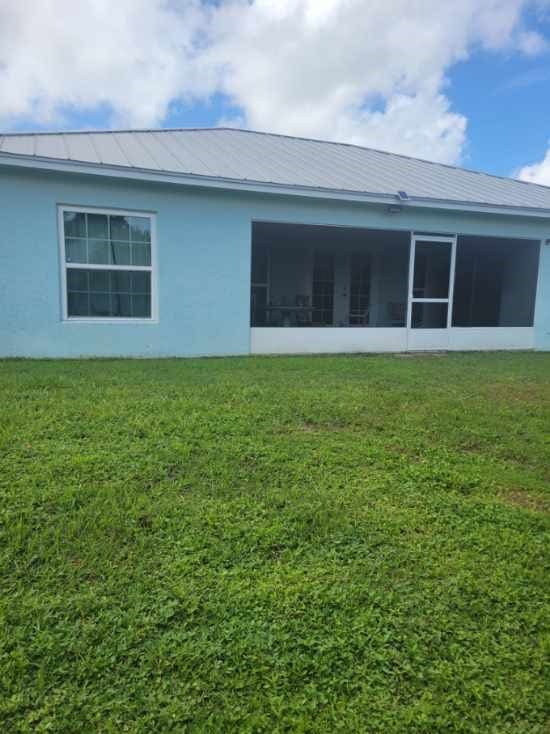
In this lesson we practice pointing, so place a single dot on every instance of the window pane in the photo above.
(121, 305)
(140, 229)
(141, 306)
(77, 280)
(122, 281)
(75, 224)
(141, 254)
(120, 253)
(107, 293)
(432, 266)
(77, 304)
(98, 226)
(429, 315)
(100, 304)
(99, 252)
(99, 281)
(141, 283)
(75, 251)
(120, 229)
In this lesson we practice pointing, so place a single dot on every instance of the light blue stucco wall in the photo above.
(203, 262)
(542, 306)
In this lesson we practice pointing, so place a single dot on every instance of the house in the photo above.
(223, 241)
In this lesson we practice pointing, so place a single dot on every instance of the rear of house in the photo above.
(219, 242)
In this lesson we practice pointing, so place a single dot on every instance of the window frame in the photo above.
(65, 266)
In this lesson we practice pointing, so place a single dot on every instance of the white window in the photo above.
(107, 259)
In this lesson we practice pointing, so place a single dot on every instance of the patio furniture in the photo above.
(289, 315)
(359, 318)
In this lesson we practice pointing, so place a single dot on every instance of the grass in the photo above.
(308, 544)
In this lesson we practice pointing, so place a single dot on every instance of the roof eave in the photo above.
(229, 184)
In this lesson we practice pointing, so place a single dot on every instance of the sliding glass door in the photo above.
(431, 278)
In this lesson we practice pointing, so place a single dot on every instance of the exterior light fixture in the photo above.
(397, 208)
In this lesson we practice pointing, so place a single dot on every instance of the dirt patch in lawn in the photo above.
(417, 355)
(309, 427)
(519, 498)
(529, 392)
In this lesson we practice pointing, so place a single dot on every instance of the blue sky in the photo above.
(467, 83)
(506, 99)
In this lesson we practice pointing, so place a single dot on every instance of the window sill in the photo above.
(99, 320)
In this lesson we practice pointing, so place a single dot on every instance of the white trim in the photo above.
(61, 255)
(418, 237)
(154, 270)
(339, 340)
(430, 338)
(64, 266)
(452, 276)
(326, 339)
(430, 300)
(107, 320)
(490, 338)
(411, 281)
(187, 179)
(115, 212)
(99, 266)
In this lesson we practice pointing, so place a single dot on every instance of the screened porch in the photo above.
(324, 277)
(328, 277)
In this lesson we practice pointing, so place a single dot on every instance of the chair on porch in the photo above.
(359, 318)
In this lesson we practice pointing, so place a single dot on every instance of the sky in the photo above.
(465, 82)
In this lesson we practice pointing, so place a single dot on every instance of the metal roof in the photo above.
(241, 156)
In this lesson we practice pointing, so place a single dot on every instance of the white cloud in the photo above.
(537, 172)
(370, 73)
(532, 43)
(311, 67)
(133, 55)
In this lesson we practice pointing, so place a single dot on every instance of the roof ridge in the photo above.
(20, 133)
(277, 135)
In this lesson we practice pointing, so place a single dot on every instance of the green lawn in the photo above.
(307, 544)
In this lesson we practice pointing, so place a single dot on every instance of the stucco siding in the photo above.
(203, 240)
(203, 272)
(542, 304)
